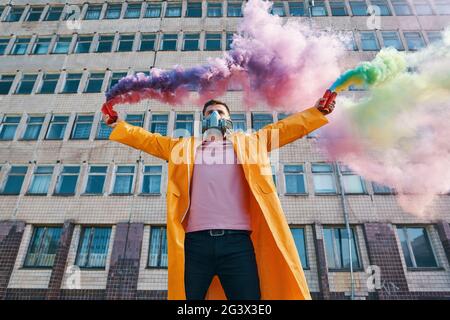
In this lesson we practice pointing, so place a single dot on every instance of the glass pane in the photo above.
(324, 183)
(421, 247)
(103, 131)
(123, 184)
(405, 249)
(329, 248)
(40, 184)
(66, 184)
(155, 246)
(95, 184)
(14, 184)
(352, 184)
(300, 244)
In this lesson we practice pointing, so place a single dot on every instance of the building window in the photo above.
(67, 181)
(352, 183)
(416, 247)
(3, 45)
(20, 46)
(369, 41)
(125, 43)
(57, 127)
(213, 41)
(14, 14)
(239, 121)
(96, 179)
(43, 246)
(234, 9)
(41, 45)
(93, 247)
(105, 43)
(34, 126)
(173, 10)
(153, 10)
(83, 44)
(159, 124)
(72, 82)
(338, 8)
(350, 43)
(338, 250)
(62, 45)
(294, 179)
(14, 181)
(442, 7)
(190, 42)
(214, 9)
(296, 9)
(133, 11)
(82, 127)
(54, 13)
(392, 39)
(381, 189)
(319, 9)
(278, 9)
(184, 122)
(169, 42)
(135, 119)
(26, 84)
(383, 6)
(6, 82)
(434, 36)
(414, 40)
(260, 120)
(194, 9)
(113, 11)
(359, 8)
(34, 14)
(103, 131)
(147, 42)
(124, 180)
(93, 12)
(115, 77)
(423, 8)
(401, 8)
(95, 82)
(151, 182)
(157, 256)
(323, 178)
(40, 182)
(8, 127)
(229, 40)
(300, 243)
(49, 82)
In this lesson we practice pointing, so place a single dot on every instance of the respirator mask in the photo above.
(213, 121)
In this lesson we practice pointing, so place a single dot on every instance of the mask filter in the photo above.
(213, 121)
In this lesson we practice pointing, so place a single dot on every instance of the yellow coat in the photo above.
(279, 267)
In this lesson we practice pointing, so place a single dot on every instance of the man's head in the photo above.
(216, 115)
(216, 105)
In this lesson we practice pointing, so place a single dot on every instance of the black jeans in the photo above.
(230, 256)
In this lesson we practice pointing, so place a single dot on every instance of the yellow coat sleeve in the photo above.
(291, 128)
(139, 138)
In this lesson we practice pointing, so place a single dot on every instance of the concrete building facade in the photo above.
(82, 217)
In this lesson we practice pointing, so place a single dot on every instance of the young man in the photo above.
(226, 231)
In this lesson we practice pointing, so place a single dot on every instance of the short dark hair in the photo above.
(213, 102)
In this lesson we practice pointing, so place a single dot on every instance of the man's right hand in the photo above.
(106, 119)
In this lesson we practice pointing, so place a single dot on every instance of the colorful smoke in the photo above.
(282, 65)
(398, 134)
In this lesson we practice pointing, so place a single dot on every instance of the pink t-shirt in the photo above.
(219, 190)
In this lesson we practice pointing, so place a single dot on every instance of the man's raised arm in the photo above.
(293, 127)
(139, 138)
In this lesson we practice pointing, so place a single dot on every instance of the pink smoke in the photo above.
(286, 66)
